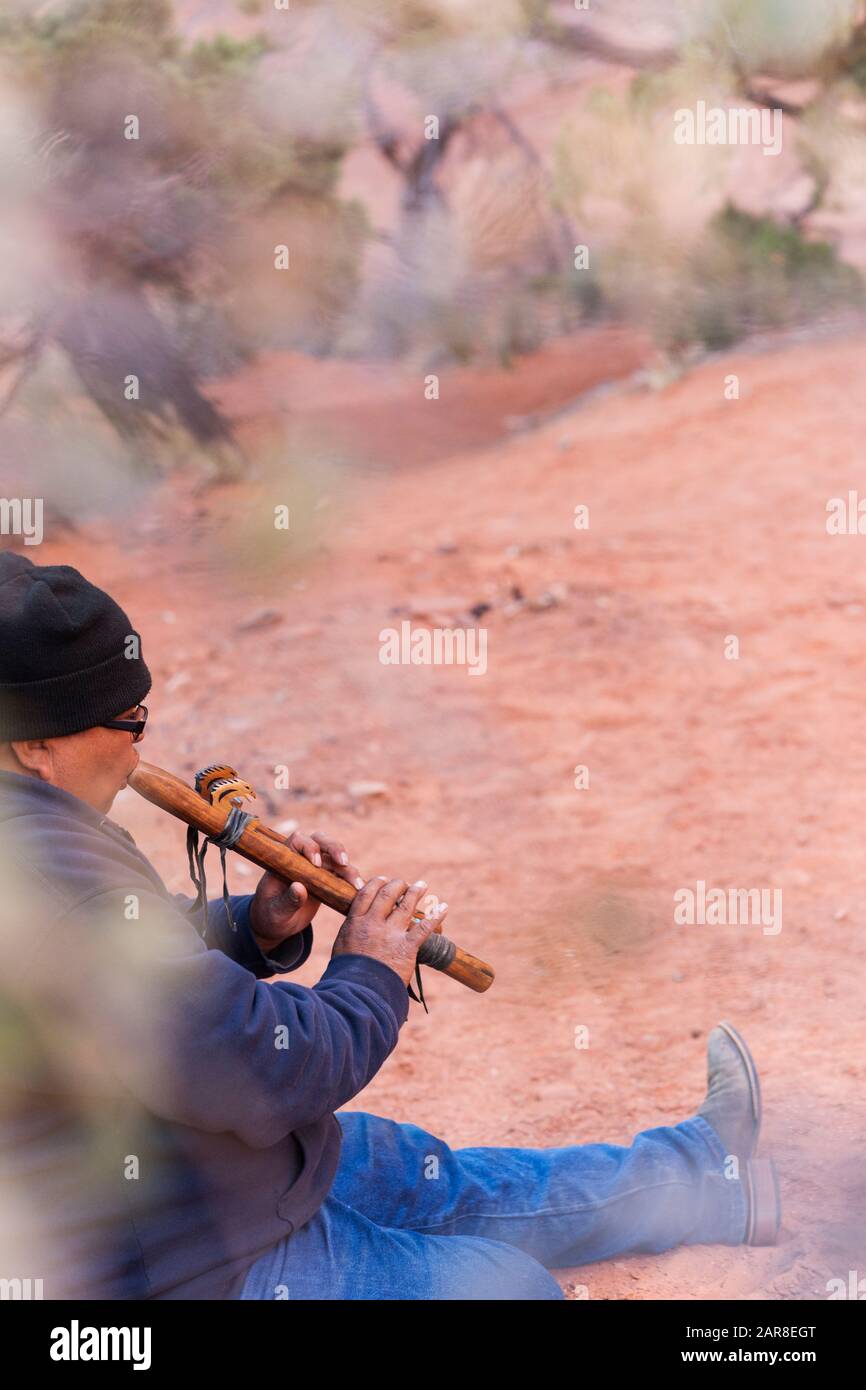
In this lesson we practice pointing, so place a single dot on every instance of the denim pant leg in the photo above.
(341, 1254)
(564, 1206)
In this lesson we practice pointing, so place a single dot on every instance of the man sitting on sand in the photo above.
(168, 1096)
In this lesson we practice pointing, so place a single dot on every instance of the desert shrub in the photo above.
(151, 256)
(750, 273)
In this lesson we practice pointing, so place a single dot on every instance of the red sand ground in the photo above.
(707, 519)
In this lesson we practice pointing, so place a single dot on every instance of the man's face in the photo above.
(92, 765)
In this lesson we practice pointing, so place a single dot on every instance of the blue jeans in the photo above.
(409, 1218)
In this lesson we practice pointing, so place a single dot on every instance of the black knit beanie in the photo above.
(69, 658)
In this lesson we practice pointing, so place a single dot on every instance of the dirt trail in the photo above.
(375, 412)
(707, 518)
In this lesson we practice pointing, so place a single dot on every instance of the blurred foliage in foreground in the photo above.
(386, 145)
(146, 191)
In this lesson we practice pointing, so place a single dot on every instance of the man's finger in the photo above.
(436, 915)
(419, 931)
(332, 848)
(411, 898)
(388, 894)
(351, 874)
(307, 846)
(364, 897)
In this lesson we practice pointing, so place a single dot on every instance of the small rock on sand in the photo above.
(360, 790)
(262, 617)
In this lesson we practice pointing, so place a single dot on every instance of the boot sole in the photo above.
(763, 1198)
(764, 1202)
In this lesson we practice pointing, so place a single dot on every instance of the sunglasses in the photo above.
(132, 726)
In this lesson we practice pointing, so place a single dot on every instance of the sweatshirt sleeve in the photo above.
(197, 1038)
(241, 945)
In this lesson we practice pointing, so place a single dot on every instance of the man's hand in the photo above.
(279, 909)
(378, 925)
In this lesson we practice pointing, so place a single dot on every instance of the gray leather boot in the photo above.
(733, 1108)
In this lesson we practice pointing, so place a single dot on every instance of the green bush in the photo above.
(751, 273)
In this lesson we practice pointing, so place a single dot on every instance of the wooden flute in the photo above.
(210, 809)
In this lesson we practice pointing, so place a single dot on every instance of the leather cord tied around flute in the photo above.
(419, 997)
(196, 850)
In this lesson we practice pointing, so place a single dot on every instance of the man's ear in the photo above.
(34, 755)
